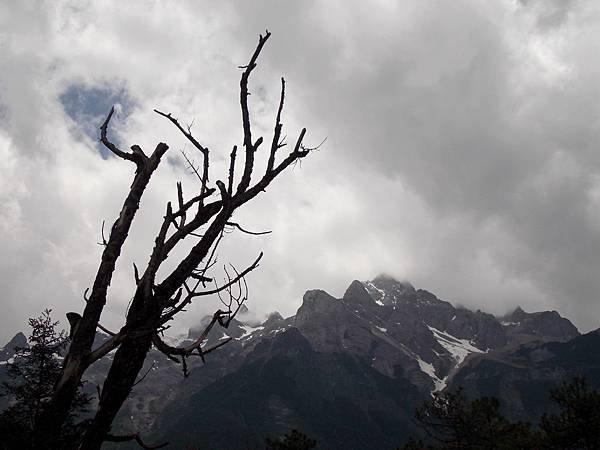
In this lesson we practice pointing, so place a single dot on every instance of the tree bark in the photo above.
(77, 359)
(126, 365)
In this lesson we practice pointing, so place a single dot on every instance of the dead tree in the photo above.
(204, 217)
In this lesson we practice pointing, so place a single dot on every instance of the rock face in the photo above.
(359, 365)
(522, 377)
(6, 357)
(410, 331)
(545, 325)
(376, 353)
(18, 341)
(286, 384)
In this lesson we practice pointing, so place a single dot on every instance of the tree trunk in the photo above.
(77, 359)
(127, 363)
(150, 299)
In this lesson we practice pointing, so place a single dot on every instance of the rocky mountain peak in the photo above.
(18, 341)
(544, 325)
(517, 313)
(388, 291)
(243, 310)
(317, 299)
(357, 294)
(316, 303)
(274, 316)
(273, 319)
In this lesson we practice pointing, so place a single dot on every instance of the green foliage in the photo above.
(33, 374)
(578, 424)
(294, 440)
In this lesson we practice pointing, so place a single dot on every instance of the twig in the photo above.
(255, 233)
(133, 157)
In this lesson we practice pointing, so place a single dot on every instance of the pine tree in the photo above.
(294, 440)
(454, 422)
(32, 377)
(577, 426)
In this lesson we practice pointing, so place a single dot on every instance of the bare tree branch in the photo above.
(106, 330)
(133, 157)
(154, 302)
(105, 348)
(275, 144)
(243, 230)
(136, 274)
(145, 375)
(231, 169)
(249, 146)
(295, 155)
(104, 242)
(247, 270)
(185, 132)
(206, 351)
(133, 437)
(204, 150)
(191, 165)
(192, 292)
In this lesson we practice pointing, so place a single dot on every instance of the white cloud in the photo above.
(461, 151)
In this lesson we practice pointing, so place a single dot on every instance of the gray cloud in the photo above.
(461, 151)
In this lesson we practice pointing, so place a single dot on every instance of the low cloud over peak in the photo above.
(461, 153)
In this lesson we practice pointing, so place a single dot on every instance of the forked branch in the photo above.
(204, 150)
(137, 157)
(249, 146)
(193, 292)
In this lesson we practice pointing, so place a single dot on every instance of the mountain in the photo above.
(522, 377)
(350, 371)
(18, 341)
(547, 325)
(286, 384)
(358, 365)
(6, 357)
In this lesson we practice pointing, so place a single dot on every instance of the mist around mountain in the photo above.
(350, 371)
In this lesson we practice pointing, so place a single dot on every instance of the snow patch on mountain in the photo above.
(175, 341)
(279, 330)
(428, 369)
(377, 294)
(248, 330)
(459, 349)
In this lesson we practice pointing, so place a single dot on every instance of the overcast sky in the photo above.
(462, 148)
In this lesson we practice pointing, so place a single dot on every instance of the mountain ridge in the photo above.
(397, 342)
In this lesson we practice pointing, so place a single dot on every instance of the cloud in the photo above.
(461, 147)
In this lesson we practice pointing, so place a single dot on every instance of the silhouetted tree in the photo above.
(32, 375)
(453, 422)
(295, 440)
(203, 218)
(577, 426)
